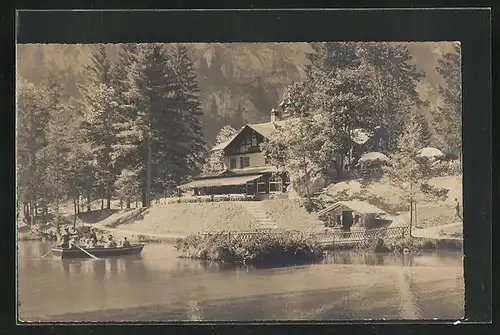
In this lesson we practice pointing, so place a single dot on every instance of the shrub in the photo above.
(438, 194)
(284, 247)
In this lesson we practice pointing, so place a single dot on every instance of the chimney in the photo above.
(274, 115)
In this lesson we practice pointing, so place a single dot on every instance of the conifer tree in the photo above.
(99, 70)
(186, 95)
(165, 134)
(60, 116)
(101, 108)
(32, 119)
(157, 121)
(449, 117)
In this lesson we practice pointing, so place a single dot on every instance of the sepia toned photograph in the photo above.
(239, 181)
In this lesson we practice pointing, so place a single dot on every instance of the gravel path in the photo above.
(433, 232)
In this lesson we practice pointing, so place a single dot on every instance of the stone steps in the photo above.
(254, 208)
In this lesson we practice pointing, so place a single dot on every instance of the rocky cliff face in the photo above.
(239, 82)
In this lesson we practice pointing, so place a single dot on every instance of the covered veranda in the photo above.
(222, 185)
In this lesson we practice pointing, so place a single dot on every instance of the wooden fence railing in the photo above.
(338, 238)
(356, 237)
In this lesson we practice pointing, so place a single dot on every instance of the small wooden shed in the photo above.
(347, 214)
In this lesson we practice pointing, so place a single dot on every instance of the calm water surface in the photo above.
(158, 286)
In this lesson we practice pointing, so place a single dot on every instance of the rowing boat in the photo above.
(98, 251)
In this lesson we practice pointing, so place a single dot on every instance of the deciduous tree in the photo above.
(215, 161)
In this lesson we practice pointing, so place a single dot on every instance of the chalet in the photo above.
(246, 169)
(353, 214)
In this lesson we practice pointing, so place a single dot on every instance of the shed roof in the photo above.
(357, 206)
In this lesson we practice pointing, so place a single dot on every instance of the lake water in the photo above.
(158, 286)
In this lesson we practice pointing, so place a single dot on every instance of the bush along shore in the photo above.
(409, 244)
(285, 248)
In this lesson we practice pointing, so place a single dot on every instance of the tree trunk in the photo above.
(415, 209)
(108, 193)
(148, 172)
(78, 204)
(340, 167)
(30, 211)
(88, 201)
(26, 211)
(102, 197)
(75, 213)
(143, 199)
(308, 193)
(121, 203)
(411, 215)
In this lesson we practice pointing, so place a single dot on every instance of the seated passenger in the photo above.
(93, 236)
(125, 242)
(110, 243)
(91, 243)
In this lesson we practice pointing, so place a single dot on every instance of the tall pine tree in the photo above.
(186, 95)
(32, 119)
(449, 117)
(100, 131)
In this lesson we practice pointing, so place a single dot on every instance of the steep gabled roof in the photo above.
(265, 129)
(224, 144)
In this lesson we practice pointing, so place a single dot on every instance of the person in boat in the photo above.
(66, 238)
(110, 243)
(125, 243)
(93, 238)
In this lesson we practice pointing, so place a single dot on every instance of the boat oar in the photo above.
(85, 251)
(47, 253)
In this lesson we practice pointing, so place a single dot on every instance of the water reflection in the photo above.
(101, 269)
(160, 286)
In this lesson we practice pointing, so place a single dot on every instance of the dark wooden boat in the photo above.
(98, 251)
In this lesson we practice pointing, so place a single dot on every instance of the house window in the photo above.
(245, 144)
(254, 140)
(275, 183)
(232, 163)
(261, 185)
(357, 218)
(339, 219)
(244, 162)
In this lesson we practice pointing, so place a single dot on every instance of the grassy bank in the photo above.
(289, 214)
(190, 219)
(279, 249)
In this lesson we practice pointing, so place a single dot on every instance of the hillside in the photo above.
(239, 82)
(388, 198)
(191, 219)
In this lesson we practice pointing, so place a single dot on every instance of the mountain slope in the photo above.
(239, 82)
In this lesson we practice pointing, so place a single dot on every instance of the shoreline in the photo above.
(422, 243)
